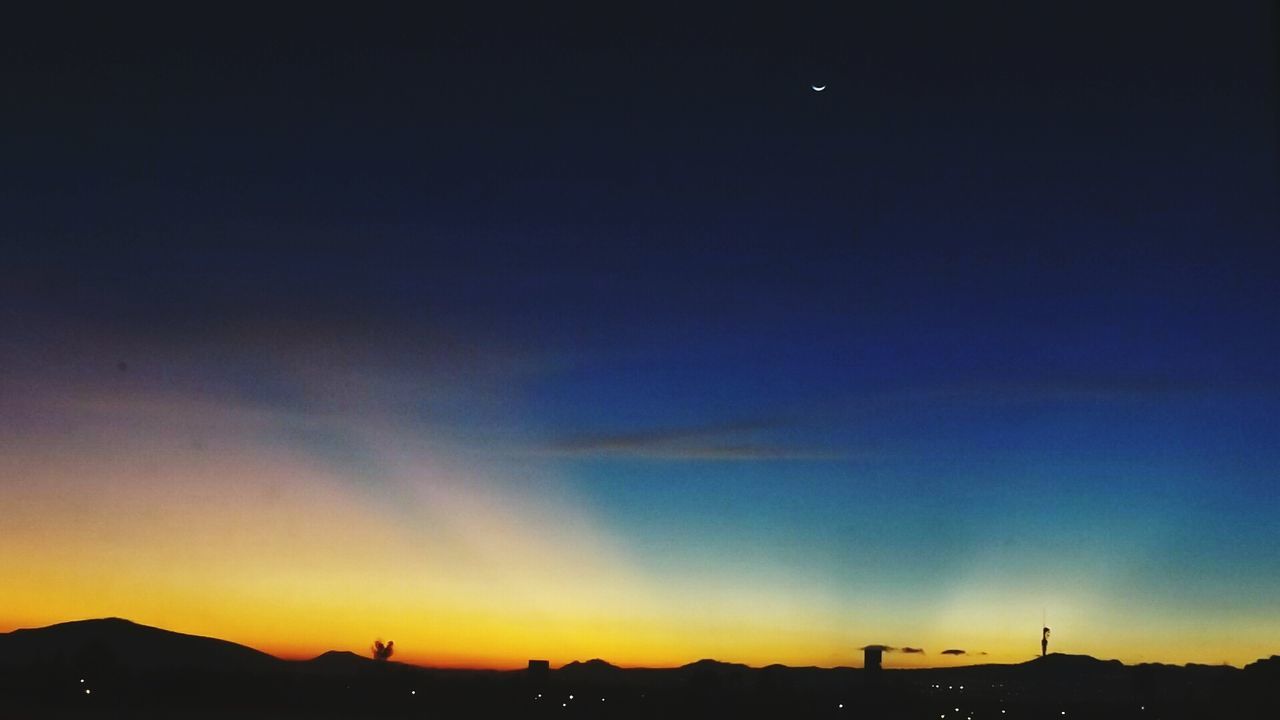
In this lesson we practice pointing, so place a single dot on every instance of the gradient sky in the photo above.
(572, 336)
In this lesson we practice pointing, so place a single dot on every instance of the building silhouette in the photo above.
(871, 656)
(538, 673)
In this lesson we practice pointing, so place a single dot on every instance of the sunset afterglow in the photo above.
(628, 344)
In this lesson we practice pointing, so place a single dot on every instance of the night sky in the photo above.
(568, 335)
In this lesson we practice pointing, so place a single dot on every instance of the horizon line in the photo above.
(290, 657)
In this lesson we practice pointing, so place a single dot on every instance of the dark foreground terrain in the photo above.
(115, 668)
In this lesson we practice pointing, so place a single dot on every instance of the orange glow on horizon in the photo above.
(267, 547)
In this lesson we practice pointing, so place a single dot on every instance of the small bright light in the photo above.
(87, 691)
(601, 699)
(564, 704)
(961, 687)
(81, 679)
(413, 692)
(570, 697)
(841, 706)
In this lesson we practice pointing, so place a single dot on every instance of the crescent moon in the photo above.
(819, 88)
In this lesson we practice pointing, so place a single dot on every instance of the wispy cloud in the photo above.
(889, 649)
(735, 441)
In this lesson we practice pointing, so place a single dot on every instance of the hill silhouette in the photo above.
(708, 664)
(1265, 665)
(116, 642)
(338, 662)
(1062, 662)
(594, 664)
(131, 666)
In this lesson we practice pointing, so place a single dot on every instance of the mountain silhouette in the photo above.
(120, 643)
(708, 664)
(1062, 662)
(591, 671)
(1265, 665)
(595, 664)
(129, 666)
(339, 662)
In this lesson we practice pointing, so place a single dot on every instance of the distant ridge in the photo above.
(708, 664)
(592, 664)
(127, 644)
(337, 662)
(336, 655)
(49, 672)
(46, 671)
(115, 642)
(1063, 661)
(1265, 665)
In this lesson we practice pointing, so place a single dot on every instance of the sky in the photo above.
(560, 334)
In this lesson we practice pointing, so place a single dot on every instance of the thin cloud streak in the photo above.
(725, 442)
(908, 650)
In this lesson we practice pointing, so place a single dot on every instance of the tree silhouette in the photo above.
(383, 651)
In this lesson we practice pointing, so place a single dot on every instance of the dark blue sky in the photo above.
(1007, 287)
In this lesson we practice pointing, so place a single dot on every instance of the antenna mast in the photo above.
(1044, 632)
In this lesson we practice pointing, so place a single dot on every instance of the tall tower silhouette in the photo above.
(1044, 641)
